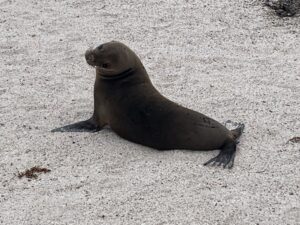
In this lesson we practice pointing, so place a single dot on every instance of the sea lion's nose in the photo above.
(89, 56)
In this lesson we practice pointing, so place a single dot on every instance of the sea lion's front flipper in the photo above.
(225, 157)
(89, 125)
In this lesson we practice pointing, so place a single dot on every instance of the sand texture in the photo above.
(229, 59)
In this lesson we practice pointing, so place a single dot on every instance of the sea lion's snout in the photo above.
(90, 57)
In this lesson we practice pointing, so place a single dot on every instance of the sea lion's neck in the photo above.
(129, 76)
(121, 75)
(127, 82)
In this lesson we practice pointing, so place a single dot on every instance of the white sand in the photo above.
(230, 60)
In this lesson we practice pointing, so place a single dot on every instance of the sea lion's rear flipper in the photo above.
(89, 125)
(225, 157)
(227, 153)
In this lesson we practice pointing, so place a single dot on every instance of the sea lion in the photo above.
(126, 100)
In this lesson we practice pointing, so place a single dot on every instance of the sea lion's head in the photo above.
(112, 59)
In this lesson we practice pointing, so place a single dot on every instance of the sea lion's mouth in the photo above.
(123, 74)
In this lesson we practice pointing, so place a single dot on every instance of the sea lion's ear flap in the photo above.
(130, 70)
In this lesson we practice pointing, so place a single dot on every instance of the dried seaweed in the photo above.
(32, 173)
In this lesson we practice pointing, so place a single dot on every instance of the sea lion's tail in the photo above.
(237, 132)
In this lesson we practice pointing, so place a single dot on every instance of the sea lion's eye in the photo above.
(105, 65)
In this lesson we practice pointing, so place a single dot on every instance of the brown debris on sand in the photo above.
(295, 140)
(32, 173)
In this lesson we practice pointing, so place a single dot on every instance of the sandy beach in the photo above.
(231, 60)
